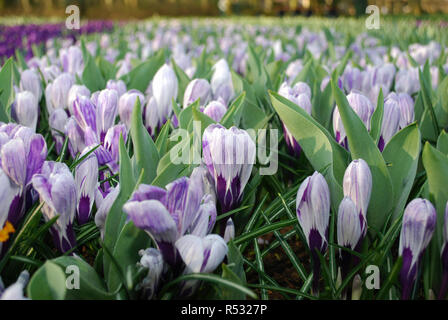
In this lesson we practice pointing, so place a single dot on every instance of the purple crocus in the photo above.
(56, 92)
(215, 110)
(126, 104)
(406, 106)
(57, 190)
(229, 155)
(168, 214)
(391, 122)
(221, 82)
(313, 213)
(117, 85)
(30, 81)
(25, 109)
(419, 221)
(107, 110)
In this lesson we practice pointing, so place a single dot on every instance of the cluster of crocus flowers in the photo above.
(419, 221)
(300, 94)
(229, 155)
(179, 219)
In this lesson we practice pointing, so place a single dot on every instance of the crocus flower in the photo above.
(56, 92)
(406, 106)
(362, 107)
(75, 91)
(419, 221)
(197, 89)
(57, 190)
(313, 213)
(117, 85)
(30, 81)
(221, 82)
(202, 255)
(103, 207)
(107, 109)
(151, 259)
(215, 110)
(229, 155)
(167, 215)
(15, 291)
(126, 104)
(25, 109)
(164, 89)
(8, 192)
(357, 184)
(350, 231)
(23, 153)
(444, 257)
(72, 60)
(86, 178)
(391, 122)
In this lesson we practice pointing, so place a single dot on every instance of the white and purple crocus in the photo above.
(313, 213)
(419, 221)
(229, 155)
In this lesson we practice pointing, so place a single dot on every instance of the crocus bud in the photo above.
(313, 213)
(50, 73)
(164, 89)
(229, 232)
(406, 106)
(84, 112)
(221, 82)
(215, 110)
(111, 143)
(391, 121)
(197, 89)
(151, 259)
(407, 80)
(126, 104)
(419, 221)
(357, 184)
(25, 109)
(58, 91)
(71, 60)
(107, 108)
(350, 225)
(200, 255)
(30, 81)
(75, 91)
(117, 85)
(57, 122)
(75, 136)
(57, 190)
(229, 155)
(362, 107)
(86, 178)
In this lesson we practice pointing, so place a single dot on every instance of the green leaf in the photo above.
(320, 148)
(91, 76)
(145, 151)
(363, 147)
(442, 142)
(233, 115)
(233, 271)
(6, 91)
(376, 122)
(162, 138)
(402, 155)
(140, 77)
(183, 79)
(130, 241)
(90, 284)
(48, 283)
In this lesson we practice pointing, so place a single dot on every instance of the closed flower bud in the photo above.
(86, 178)
(215, 110)
(72, 60)
(229, 155)
(106, 111)
(197, 89)
(391, 122)
(357, 184)
(164, 89)
(75, 91)
(126, 104)
(151, 259)
(229, 232)
(25, 110)
(117, 85)
(30, 81)
(221, 82)
(419, 221)
(406, 106)
(58, 92)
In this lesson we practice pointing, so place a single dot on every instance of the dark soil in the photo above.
(278, 266)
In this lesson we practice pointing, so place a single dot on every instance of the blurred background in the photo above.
(129, 9)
